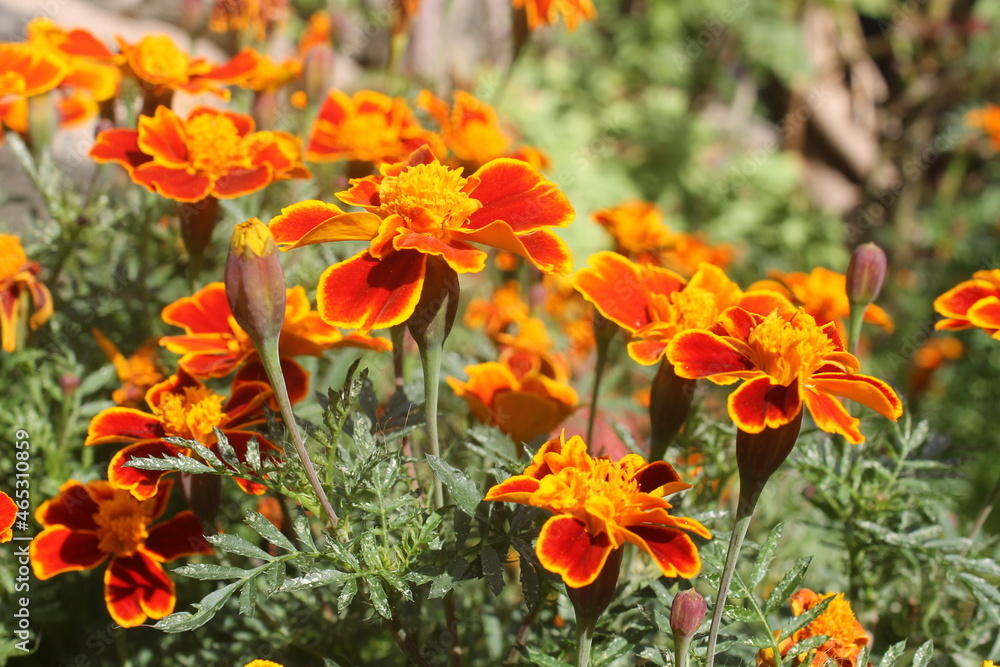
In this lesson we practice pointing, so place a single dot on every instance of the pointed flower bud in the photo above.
(687, 613)
(255, 284)
(865, 274)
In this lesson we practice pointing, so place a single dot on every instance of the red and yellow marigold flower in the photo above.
(637, 228)
(687, 252)
(986, 119)
(26, 71)
(214, 153)
(787, 360)
(599, 505)
(845, 635)
(368, 127)
(655, 304)
(823, 294)
(421, 209)
(267, 74)
(254, 17)
(318, 30)
(19, 276)
(214, 345)
(496, 314)
(87, 523)
(547, 12)
(972, 304)
(8, 515)
(137, 373)
(181, 407)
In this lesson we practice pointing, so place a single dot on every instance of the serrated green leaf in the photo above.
(275, 576)
(543, 660)
(377, 596)
(370, 553)
(804, 619)
(864, 656)
(316, 579)
(253, 454)
(303, 531)
(226, 450)
(465, 492)
(788, 583)
(529, 584)
(211, 571)
(617, 648)
(892, 654)
(740, 613)
(766, 555)
(248, 598)
(206, 609)
(806, 645)
(171, 464)
(757, 641)
(206, 454)
(347, 593)
(235, 544)
(492, 568)
(263, 527)
(923, 654)
(397, 583)
(446, 581)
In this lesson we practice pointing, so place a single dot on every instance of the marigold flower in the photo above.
(547, 12)
(599, 505)
(256, 17)
(687, 252)
(268, 75)
(496, 314)
(26, 71)
(986, 119)
(523, 407)
(787, 359)
(368, 127)
(928, 359)
(137, 373)
(318, 30)
(420, 209)
(637, 227)
(17, 276)
(87, 523)
(8, 515)
(573, 314)
(845, 635)
(214, 153)
(973, 303)
(214, 345)
(823, 294)
(182, 407)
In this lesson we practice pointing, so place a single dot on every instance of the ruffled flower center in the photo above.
(789, 349)
(12, 257)
(215, 144)
(429, 197)
(191, 415)
(121, 524)
(368, 136)
(695, 308)
(161, 60)
(837, 622)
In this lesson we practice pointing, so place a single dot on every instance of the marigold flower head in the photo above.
(986, 119)
(823, 294)
(687, 252)
(181, 407)
(972, 304)
(267, 75)
(787, 359)
(928, 359)
(255, 17)
(26, 71)
(845, 635)
(599, 505)
(496, 314)
(18, 276)
(637, 227)
(547, 12)
(85, 524)
(137, 373)
(8, 515)
(421, 209)
(213, 153)
(318, 30)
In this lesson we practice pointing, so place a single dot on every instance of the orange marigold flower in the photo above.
(213, 153)
(599, 505)
(256, 17)
(986, 119)
(973, 303)
(823, 294)
(182, 407)
(420, 209)
(496, 314)
(547, 12)
(319, 30)
(687, 252)
(26, 71)
(137, 373)
(524, 407)
(928, 359)
(368, 127)
(18, 275)
(787, 359)
(267, 74)
(8, 515)
(573, 314)
(845, 635)
(214, 345)
(87, 523)
(637, 227)
(655, 304)
(530, 351)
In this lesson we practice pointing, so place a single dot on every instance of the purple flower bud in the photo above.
(865, 274)
(687, 613)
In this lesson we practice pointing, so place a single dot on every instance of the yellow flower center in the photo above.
(787, 349)
(121, 524)
(161, 60)
(368, 136)
(215, 144)
(12, 257)
(435, 189)
(694, 308)
(191, 415)
(478, 141)
(837, 622)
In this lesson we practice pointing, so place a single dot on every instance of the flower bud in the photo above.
(69, 383)
(687, 613)
(865, 274)
(255, 284)
(317, 72)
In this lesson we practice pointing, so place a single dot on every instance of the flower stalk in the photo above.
(604, 330)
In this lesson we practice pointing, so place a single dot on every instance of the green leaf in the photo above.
(864, 657)
(892, 654)
(377, 596)
(226, 450)
(923, 654)
(211, 571)
(303, 531)
(492, 568)
(757, 641)
(206, 454)
(347, 593)
(740, 613)
(276, 576)
(248, 598)
(253, 454)
(465, 492)
(207, 608)
(766, 555)
(543, 660)
(806, 645)
(179, 463)
(235, 544)
(317, 579)
(446, 581)
(804, 619)
(617, 648)
(788, 583)
(263, 527)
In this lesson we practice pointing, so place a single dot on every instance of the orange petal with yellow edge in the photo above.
(238, 182)
(120, 146)
(8, 514)
(622, 290)
(672, 550)
(206, 311)
(365, 293)
(699, 354)
(314, 221)
(59, 549)
(461, 257)
(123, 425)
(543, 248)
(566, 548)
(512, 191)
(142, 484)
(757, 404)
(955, 303)
(864, 389)
(647, 352)
(137, 588)
(985, 313)
(176, 184)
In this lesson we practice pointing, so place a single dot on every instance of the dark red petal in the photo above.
(180, 536)
(567, 549)
(137, 588)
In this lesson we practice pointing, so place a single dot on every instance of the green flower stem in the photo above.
(856, 320)
(584, 641)
(681, 646)
(272, 365)
(744, 512)
(431, 345)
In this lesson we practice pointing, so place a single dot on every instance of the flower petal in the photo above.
(654, 475)
(238, 182)
(296, 378)
(205, 311)
(123, 425)
(176, 184)
(120, 146)
(162, 137)
(864, 389)
(757, 404)
(137, 588)
(831, 416)
(182, 535)
(621, 290)
(365, 293)
(567, 549)
(542, 248)
(460, 256)
(673, 551)
(955, 303)
(315, 221)
(517, 489)
(701, 354)
(142, 484)
(512, 191)
(73, 508)
(60, 549)
(985, 313)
